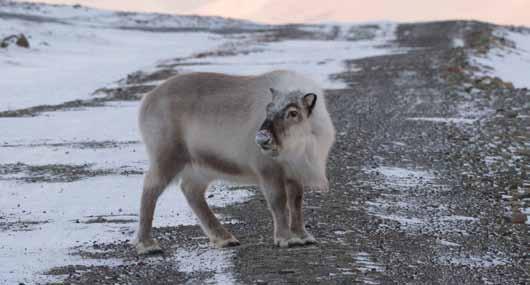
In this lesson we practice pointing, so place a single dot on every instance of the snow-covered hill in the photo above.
(78, 15)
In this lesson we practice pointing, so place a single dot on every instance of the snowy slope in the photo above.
(511, 64)
(67, 61)
(111, 19)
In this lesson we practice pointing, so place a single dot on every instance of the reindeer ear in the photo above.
(274, 93)
(310, 99)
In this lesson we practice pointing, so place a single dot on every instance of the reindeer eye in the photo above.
(292, 114)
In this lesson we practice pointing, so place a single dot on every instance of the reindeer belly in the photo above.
(222, 149)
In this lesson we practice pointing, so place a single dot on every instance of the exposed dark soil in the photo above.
(20, 225)
(56, 172)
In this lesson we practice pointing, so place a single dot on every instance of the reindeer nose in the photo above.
(263, 138)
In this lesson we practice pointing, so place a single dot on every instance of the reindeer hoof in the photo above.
(148, 247)
(290, 242)
(230, 242)
(309, 239)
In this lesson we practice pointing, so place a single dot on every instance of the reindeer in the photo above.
(271, 130)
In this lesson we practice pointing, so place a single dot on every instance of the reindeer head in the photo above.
(286, 125)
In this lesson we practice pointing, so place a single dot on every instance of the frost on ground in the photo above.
(213, 260)
(402, 207)
(71, 176)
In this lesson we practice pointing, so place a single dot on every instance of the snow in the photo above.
(105, 18)
(68, 62)
(458, 43)
(321, 60)
(366, 265)
(402, 178)
(402, 220)
(447, 243)
(212, 260)
(61, 204)
(509, 64)
(413, 215)
(365, 262)
(487, 261)
(119, 121)
(457, 218)
(443, 120)
(130, 155)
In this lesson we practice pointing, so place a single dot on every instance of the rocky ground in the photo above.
(428, 178)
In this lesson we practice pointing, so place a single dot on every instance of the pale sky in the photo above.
(514, 12)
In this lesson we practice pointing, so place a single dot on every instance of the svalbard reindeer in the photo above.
(272, 130)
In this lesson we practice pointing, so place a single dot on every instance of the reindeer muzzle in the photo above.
(264, 139)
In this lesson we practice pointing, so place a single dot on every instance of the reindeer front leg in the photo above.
(274, 192)
(295, 195)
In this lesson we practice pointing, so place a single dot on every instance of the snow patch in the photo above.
(127, 156)
(458, 43)
(366, 265)
(402, 178)
(443, 120)
(447, 243)
(118, 119)
(101, 18)
(209, 260)
(402, 220)
(509, 64)
(474, 261)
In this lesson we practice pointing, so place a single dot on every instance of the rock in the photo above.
(22, 41)
(511, 114)
(486, 81)
(518, 218)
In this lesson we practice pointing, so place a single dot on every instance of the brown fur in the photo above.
(201, 127)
